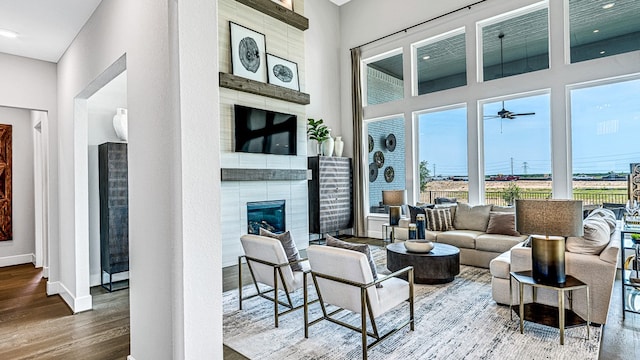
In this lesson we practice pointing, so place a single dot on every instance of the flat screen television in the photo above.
(265, 131)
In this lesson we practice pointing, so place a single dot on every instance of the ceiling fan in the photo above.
(504, 113)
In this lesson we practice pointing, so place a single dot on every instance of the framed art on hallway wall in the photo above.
(6, 226)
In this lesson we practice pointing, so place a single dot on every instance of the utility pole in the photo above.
(525, 166)
(434, 170)
(511, 166)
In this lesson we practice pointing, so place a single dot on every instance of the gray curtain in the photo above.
(359, 228)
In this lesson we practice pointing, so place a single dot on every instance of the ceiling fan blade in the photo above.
(523, 114)
(492, 116)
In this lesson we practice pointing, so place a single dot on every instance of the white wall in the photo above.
(322, 57)
(101, 108)
(174, 254)
(21, 249)
(31, 84)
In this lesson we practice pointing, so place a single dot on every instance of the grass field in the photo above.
(591, 192)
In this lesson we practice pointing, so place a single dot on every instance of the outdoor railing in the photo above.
(497, 197)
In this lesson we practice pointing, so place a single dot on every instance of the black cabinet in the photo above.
(114, 213)
(330, 194)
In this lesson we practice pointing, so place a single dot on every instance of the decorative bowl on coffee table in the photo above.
(418, 246)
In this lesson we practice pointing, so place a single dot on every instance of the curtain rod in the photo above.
(419, 24)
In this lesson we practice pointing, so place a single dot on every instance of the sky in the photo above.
(603, 120)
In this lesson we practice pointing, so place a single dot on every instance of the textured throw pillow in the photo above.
(607, 215)
(452, 208)
(363, 248)
(503, 209)
(415, 210)
(288, 244)
(595, 239)
(439, 219)
(502, 223)
(472, 217)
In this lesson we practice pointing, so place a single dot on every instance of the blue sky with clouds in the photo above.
(605, 133)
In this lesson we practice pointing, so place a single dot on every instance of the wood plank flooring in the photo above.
(36, 326)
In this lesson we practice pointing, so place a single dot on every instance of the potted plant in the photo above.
(511, 193)
(317, 131)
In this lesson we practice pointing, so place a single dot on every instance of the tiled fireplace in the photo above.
(269, 215)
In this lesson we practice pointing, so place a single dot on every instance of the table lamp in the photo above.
(549, 222)
(394, 199)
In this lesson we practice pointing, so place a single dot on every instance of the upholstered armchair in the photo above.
(343, 278)
(268, 265)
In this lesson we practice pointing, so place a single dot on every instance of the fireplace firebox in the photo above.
(269, 215)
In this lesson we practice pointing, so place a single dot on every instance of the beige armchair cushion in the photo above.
(353, 266)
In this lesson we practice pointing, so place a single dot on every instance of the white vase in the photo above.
(327, 147)
(121, 123)
(338, 146)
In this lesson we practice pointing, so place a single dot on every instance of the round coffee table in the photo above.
(438, 266)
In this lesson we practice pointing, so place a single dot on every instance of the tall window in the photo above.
(387, 165)
(603, 28)
(605, 123)
(385, 81)
(517, 149)
(516, 44)
(441, 63)
(442, 159)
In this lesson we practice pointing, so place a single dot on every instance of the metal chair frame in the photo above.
(277, 273)
(365, 308)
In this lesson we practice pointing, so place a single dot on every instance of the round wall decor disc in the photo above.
(373, 172)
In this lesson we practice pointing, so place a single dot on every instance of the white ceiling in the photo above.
(45, 27)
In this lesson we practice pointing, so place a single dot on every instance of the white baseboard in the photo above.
(17, 260)
(33, 259)
(76, 305)
(94, 279)
(129, 357)
(45, 272)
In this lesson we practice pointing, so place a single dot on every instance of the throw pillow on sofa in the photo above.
(439, 219)
(595, 239)
(503, 223)
(472, 217)
(607, 215)
(414, 211)
(363, 248)
(288, 244)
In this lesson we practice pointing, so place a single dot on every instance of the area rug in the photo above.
(458, 320)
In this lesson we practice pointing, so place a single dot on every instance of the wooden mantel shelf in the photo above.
(239, 83)
(279, 12)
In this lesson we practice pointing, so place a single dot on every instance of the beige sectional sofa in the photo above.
(591, 259)
(472, 230)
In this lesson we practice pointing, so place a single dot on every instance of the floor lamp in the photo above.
(549, 222)
(394, 199)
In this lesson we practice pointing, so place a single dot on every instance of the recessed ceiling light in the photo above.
(602, 52)
(596, 31)
(426, 57)
(608, 6)
(8, 33)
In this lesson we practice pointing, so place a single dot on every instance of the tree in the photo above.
(424, 175)
(511, 193)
